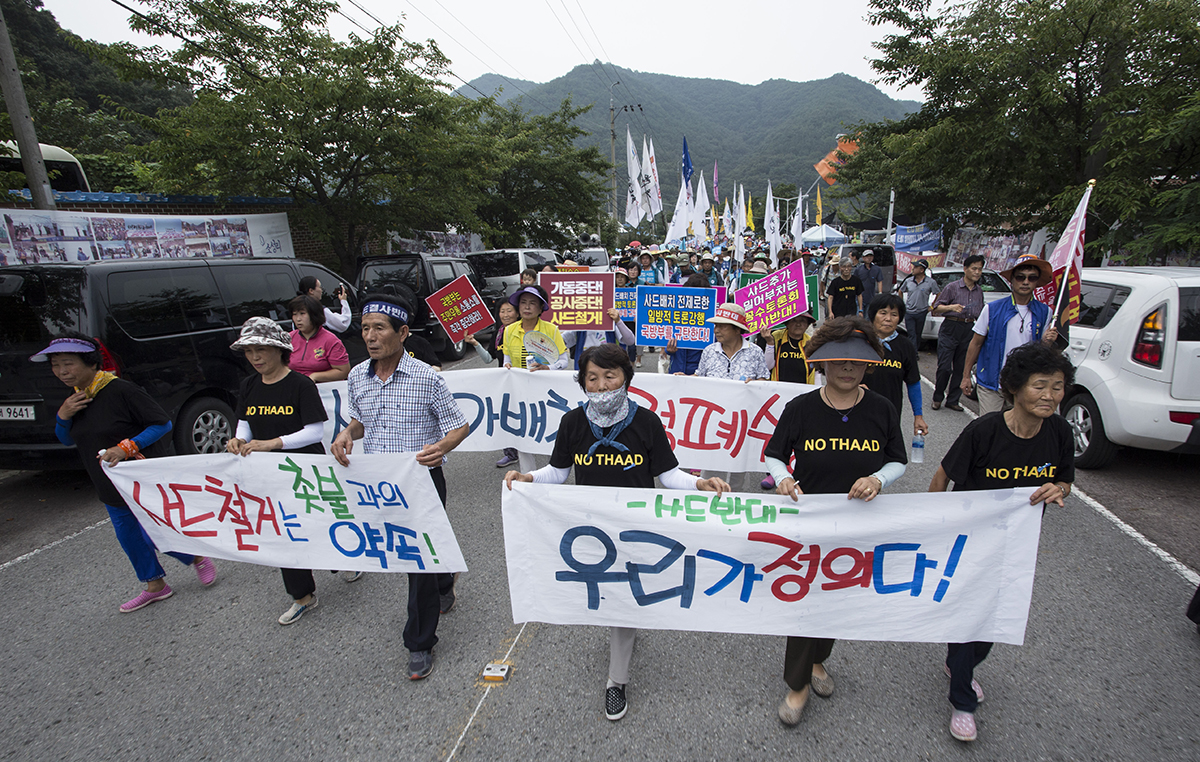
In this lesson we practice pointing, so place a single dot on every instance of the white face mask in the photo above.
(606, 408)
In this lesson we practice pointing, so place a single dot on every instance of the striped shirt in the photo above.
(956, 292)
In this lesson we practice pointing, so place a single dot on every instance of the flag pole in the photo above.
(1062, 288)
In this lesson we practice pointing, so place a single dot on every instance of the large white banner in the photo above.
(711, 423)
(382, 513)
(941, 568)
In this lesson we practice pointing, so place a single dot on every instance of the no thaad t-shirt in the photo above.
(845, 295)
(284, 407)
(649, 452)
(987, 455)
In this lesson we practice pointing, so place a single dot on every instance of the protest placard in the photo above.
(459, 308)
(948, 567)
(773, 299)
(380, 513)
(711, 423)
(722, 291)
(573, 268)
(666, 312)
(579, 301)
(904, 261)
(626, 303)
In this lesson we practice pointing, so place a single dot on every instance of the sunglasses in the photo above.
(1031, 277)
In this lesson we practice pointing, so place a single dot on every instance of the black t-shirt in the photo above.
(845, 295)
(832, 454)
(284, 407)
(419, 348)
(121, 410)
(789, 360)
(649, 452)
(898, 370)
(987, 455)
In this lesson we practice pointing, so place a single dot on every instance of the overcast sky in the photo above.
(746, 42)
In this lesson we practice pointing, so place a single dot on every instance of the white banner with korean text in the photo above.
(711, 423)
(948, 567)
(382, 513)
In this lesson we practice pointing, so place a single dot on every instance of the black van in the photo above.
(164, 324)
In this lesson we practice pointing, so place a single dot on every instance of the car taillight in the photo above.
(1187, 419)
(1148, 349)
(107, 361)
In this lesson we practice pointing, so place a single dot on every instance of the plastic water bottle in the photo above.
(918, 448)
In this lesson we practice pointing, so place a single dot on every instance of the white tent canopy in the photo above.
(823, 234)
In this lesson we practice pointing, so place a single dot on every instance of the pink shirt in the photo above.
(319, 353)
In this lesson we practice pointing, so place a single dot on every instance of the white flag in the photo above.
(727, 220)
(771, 227)
(645, 182)
(656, 205)
(797, 226)
(739, 224)
(700, 210)
(679, 220)
(633, 194)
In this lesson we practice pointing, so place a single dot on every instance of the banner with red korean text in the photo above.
(579, 301)
(946, 567)
(774, 299)
(459, 308)
(904, 261)
(710, 422)
(381, 513)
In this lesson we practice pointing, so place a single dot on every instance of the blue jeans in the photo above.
(138, 546)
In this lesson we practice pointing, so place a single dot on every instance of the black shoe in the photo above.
(935, 405)
(955, 407)
(420, 664)
(614, 702)
(446, 601)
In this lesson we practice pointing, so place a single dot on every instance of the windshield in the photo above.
(39, 305)
(495, 264)
(377, 277)
(592, 258)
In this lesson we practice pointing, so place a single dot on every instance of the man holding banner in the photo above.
(400, 405)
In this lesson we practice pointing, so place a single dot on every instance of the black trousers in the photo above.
(424, 591)
(914, 323)
(801, 655)
(962, 659)
(953, 339)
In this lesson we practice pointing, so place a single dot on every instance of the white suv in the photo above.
(1136, 350)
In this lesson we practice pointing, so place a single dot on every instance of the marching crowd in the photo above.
(861, 354)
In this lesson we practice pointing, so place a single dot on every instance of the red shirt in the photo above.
(321, 352)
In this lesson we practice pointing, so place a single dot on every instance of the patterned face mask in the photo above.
(606, 408)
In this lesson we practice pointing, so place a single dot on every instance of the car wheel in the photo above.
(1092, 447)
(451, 350)
(205, 426)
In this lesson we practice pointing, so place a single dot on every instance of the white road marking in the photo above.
(1179, 567)
(483, 698)
(59, 541)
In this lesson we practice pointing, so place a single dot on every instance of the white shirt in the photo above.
(1018, 332)
(338, 322)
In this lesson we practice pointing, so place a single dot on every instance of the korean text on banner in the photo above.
(949, 567)
(459, 308)
(626, 303)
(722, 291)
(579, 301)
(671, 312)
(775, 298)
(904, 261)
(380, 513)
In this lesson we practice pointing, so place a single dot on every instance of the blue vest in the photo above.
(994, 353)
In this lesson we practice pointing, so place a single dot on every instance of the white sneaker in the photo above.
(297, 610)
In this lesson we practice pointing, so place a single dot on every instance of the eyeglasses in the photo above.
(1031, 277)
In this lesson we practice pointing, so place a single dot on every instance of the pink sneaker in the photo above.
(206, 571)
(962, 726)
(145, 598)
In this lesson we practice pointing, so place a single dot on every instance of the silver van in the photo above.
(501, 268)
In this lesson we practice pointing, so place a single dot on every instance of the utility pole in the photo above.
(612, 129)
(18, 109)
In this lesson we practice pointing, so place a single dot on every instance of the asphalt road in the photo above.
(1110, 669)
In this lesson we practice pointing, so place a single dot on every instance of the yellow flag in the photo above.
(715, 219)
(749, 213)
(820, 209)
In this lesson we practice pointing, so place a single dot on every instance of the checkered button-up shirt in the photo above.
(410, 409)
(747, 362)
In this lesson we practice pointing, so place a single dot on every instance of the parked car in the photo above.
(994, 287)
(416, 276)
(1136, 350)
(596, 259)
(502, 268)
(166, 325)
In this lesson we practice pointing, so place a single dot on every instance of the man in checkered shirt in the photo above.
(399, 404)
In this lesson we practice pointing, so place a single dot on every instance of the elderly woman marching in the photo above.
(611, 423)
(117, 419)
(843, 409)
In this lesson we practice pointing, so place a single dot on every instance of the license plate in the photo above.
(16, 413)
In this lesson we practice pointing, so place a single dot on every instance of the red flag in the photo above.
(1067, 263)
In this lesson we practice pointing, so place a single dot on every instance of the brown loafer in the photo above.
(935, 405)
(956, 408)
(822, 686)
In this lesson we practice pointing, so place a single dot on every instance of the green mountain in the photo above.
(774, 130)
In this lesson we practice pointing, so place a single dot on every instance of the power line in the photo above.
(481, 40)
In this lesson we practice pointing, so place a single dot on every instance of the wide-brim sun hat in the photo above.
(515, 298)
(708, 256)
(760, 267)
(66, 345)
(262, 332)
(856, 348)
(1032, 260)
(730, 314)
(621, 271)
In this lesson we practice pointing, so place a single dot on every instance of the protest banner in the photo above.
(381, 513)
(459, 308)
(573, 268)
(671, 312)
(775, 298)
(904, 260)
(949, 567)
(917, 238)
(579, 301)
(626, 303)
(711, 423)
(722, 291)
(746, 278)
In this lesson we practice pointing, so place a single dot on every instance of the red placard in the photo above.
(580, 301)
(459, 308)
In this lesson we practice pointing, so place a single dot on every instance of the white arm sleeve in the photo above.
(550, 475)
(779, 470)
(483, 353)
(310, 434)
(624, 335)
(562, 362)
(769, 351)
(675, 479)
(889, 473)
(243, 432)
(338, 322)
(507, 360)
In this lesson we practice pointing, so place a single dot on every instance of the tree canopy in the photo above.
(1028, 100)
